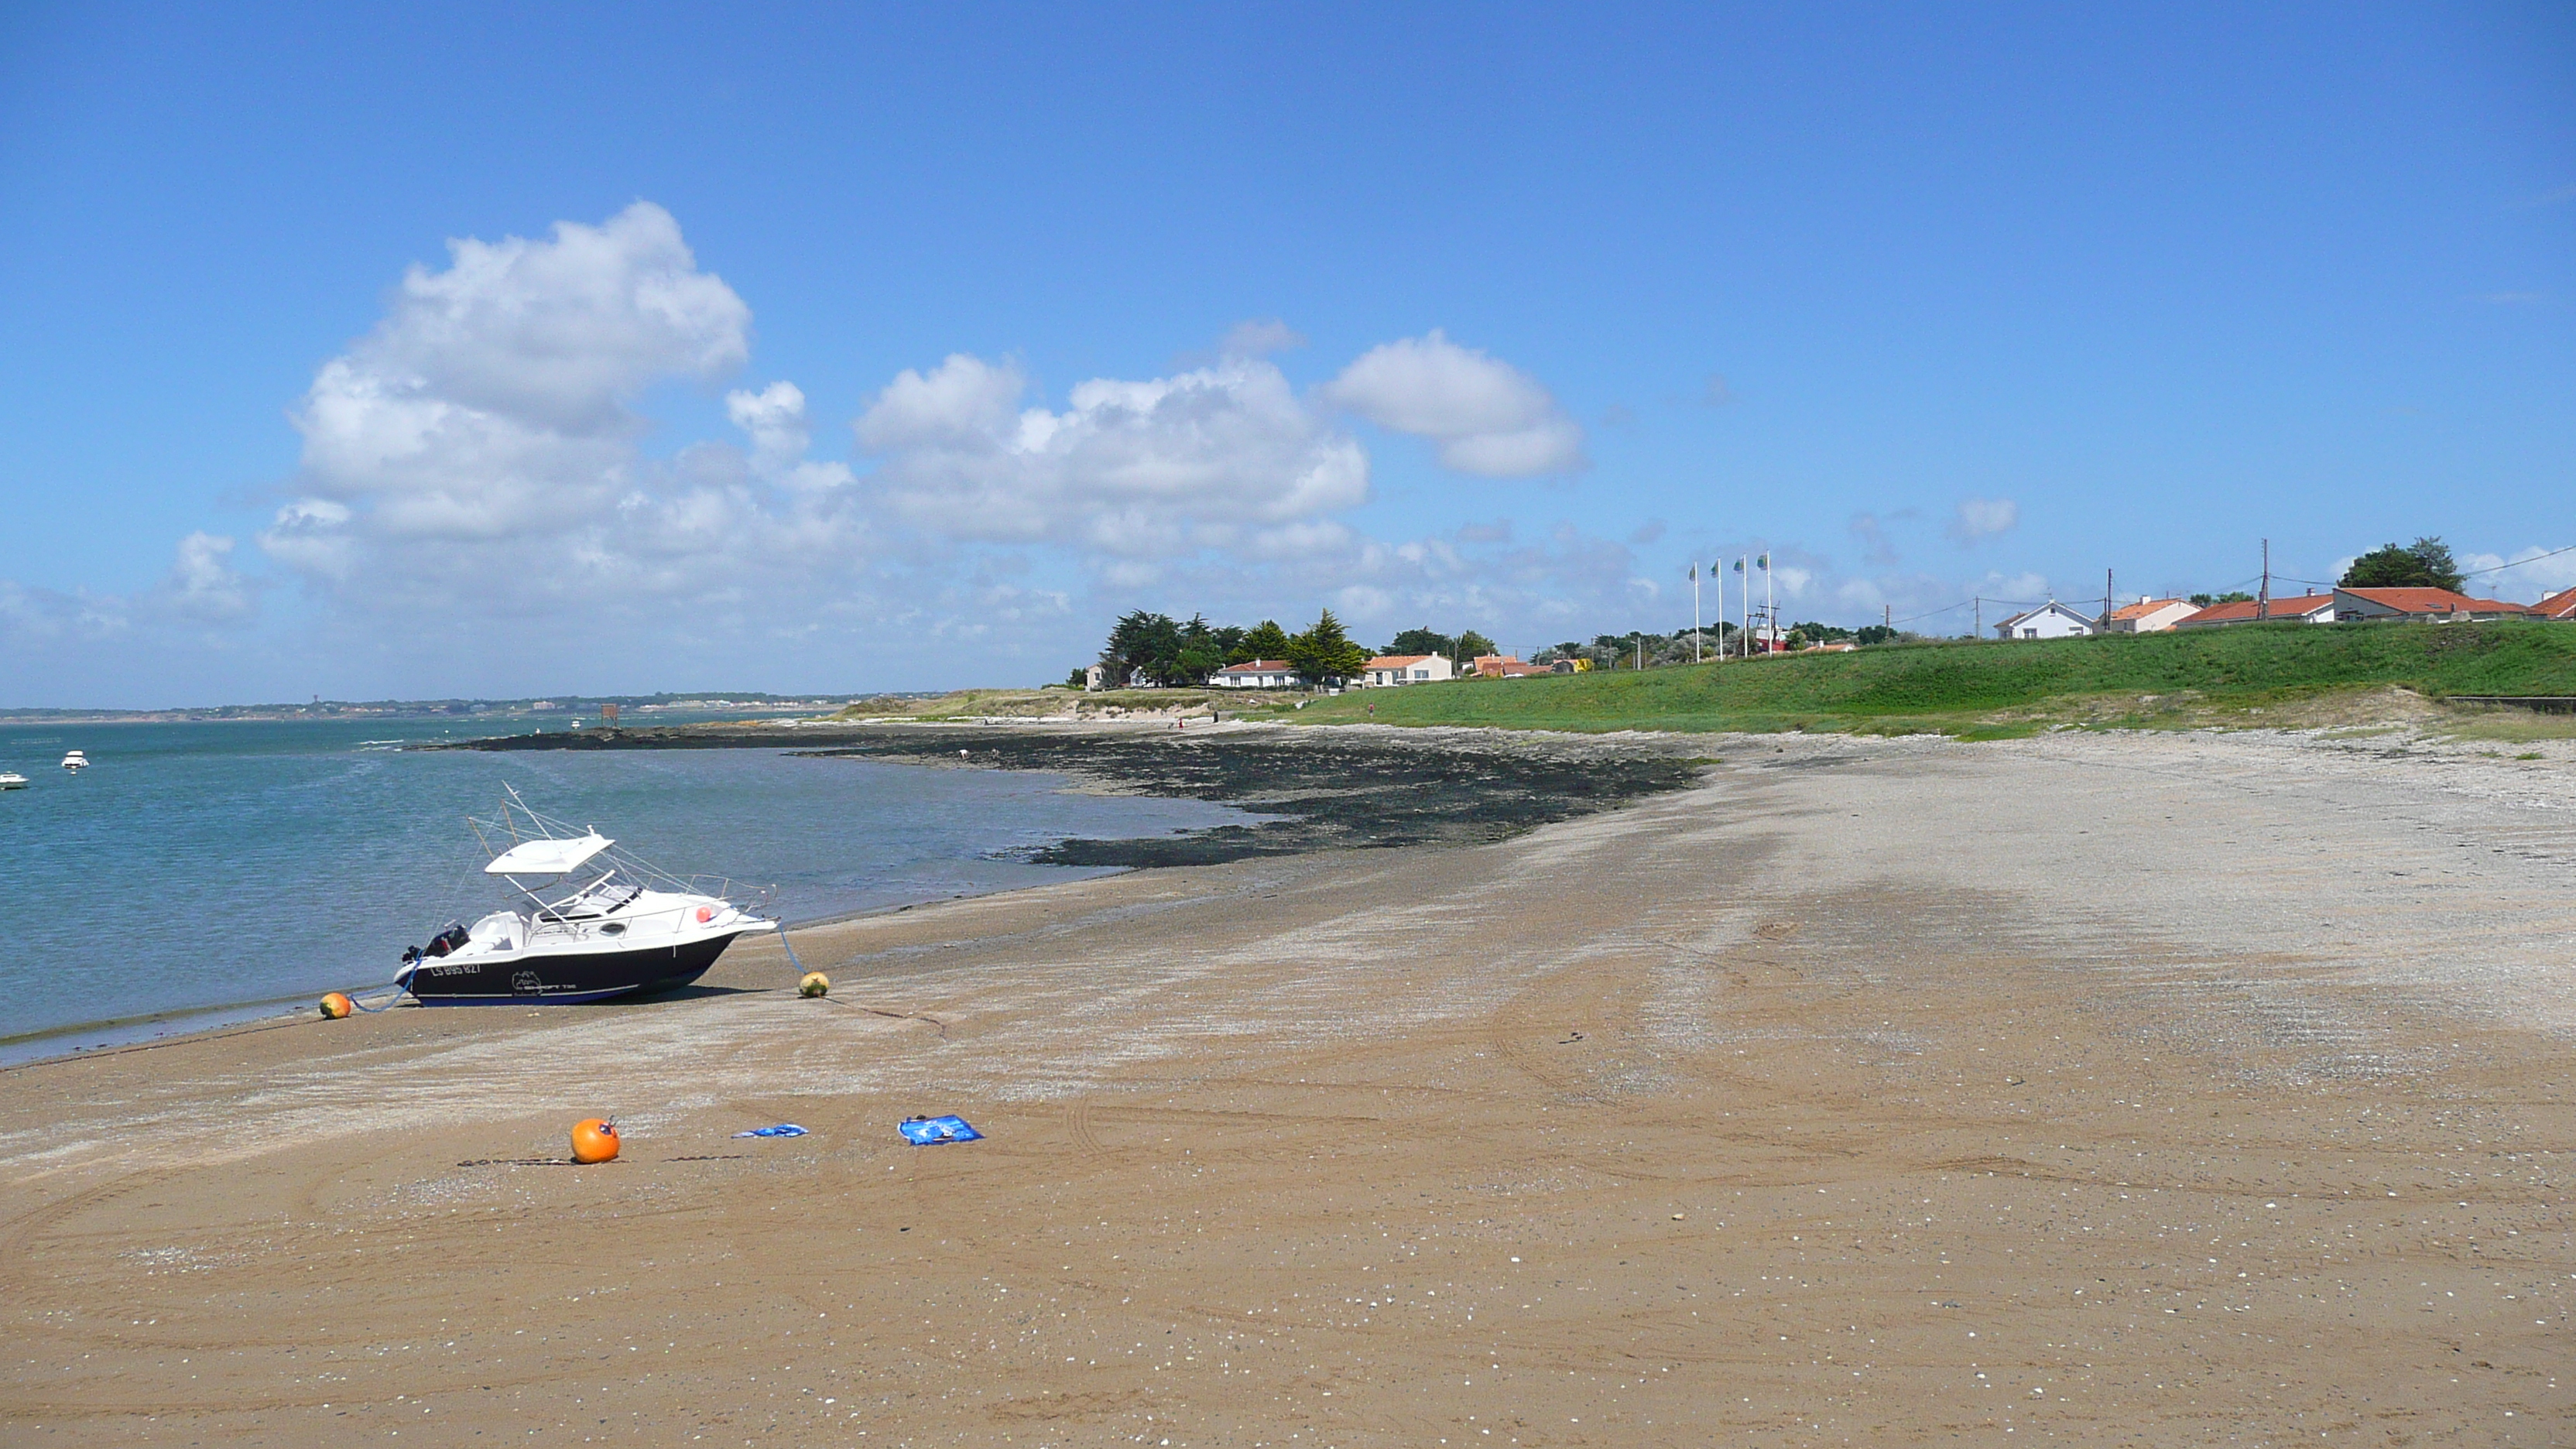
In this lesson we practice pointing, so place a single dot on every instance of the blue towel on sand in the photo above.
(783, 1129)
(931, 1131)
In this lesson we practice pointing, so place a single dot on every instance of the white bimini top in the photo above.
(548, 857)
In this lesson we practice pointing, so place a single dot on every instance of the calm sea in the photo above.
(208, 871)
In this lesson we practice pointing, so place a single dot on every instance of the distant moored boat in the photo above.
(12, 780)
(75, 762)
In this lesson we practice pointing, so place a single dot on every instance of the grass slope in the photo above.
(1984, 690)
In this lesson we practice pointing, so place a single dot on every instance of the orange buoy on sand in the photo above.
(814, 984)
(335, 1005)
(594, 1140)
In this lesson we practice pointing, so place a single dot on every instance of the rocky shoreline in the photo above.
(1352, 787)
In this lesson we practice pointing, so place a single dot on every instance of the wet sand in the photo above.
(2154, 1090)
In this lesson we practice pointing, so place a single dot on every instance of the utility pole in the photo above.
(1978, 629)
(2106, 601)
(2263, 610)
(1887, 621)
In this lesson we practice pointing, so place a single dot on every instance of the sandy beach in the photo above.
(2147, 1089)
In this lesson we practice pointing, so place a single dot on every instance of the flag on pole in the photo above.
(1694, 572)
(1764, 563)
(1739, 566)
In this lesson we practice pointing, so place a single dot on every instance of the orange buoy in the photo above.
(594, 1140)
(336, 1004)
(814, 984)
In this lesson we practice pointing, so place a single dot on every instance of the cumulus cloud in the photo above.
(1211, 458)
(476, 452)
(1489, 417)
(774, 420)
(1979, 518)
(201, 590)
(202, 585)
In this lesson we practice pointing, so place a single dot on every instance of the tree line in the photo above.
(1155, 649)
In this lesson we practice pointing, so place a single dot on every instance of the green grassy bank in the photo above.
(2251, 674)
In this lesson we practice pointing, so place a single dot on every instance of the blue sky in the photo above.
(1469, 317)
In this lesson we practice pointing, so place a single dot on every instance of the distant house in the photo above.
(1505, 666)
(2051, 620)
(2437, 606)
(2560, 605)
(1389, 669)
(2151, 616)
(2306, 609)
(1095, 679)
(1259, 674)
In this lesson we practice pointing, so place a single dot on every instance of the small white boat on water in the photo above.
(12, 780)
(75, 762)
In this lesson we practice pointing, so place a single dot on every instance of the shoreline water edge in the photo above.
(1306, 790)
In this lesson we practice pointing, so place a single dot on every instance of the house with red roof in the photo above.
(2151, 616)
(1389, 669)
(2560, 605)
(1259, 674)
(2435, 606)
(2306, 609)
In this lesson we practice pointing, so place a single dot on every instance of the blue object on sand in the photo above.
(931, 1131)
(783, 1129)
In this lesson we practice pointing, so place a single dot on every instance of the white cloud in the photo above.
(2536, 573)
(1150, 469)
(1489, 417)
(201, 588)
(774, 420)
(1983, 518)
(475, 454)
(202, 585)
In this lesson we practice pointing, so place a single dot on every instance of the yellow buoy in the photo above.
(335, 1005)
(594, 1140)
(814, 984)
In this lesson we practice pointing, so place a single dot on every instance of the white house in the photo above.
(2051, 620)
(1259, 674)
(1387, 669)
(2151, 616)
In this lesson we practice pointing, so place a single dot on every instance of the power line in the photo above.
(2517, 563)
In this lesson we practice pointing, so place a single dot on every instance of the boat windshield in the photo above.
(598, 898)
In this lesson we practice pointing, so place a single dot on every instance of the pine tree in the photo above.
(1325, 652)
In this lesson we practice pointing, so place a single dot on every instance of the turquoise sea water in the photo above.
(227, 868)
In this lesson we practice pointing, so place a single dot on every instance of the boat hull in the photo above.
(529, 978)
